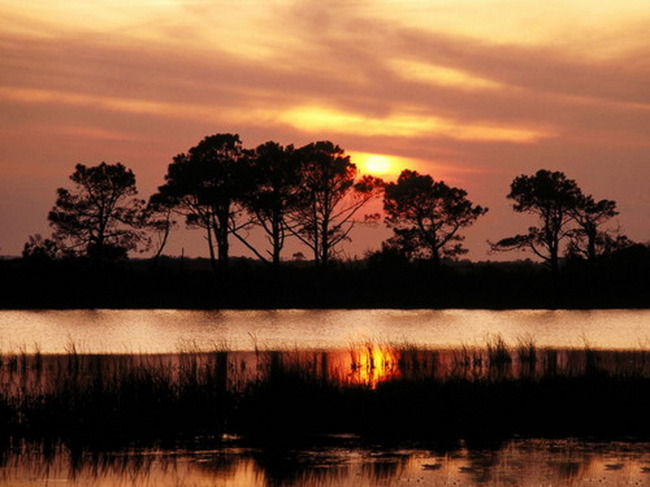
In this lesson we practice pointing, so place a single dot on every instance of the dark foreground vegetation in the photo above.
(389, 393)
(383, 280)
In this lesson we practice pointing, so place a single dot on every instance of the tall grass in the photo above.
(373, 389)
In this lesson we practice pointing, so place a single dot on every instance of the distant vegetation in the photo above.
(383, 280)
(315, 195)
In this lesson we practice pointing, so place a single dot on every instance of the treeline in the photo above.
(617, 280)
(313, 194)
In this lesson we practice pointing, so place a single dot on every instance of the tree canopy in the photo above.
(329, 198)
(100, 217)
(567, 219)
(427, 215)
(588, 239)
(273, 193)
(203, 185)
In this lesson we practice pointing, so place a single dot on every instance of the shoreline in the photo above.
(191, 284)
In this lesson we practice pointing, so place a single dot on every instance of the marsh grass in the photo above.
(373, 389)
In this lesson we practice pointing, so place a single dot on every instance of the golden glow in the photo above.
(440, 75)
(378, 164)
(375, 164)
(372, 365)
(308, 119)
(316, 119)
(319, 119)
(389, 167)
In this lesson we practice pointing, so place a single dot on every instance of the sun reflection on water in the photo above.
(371, 364)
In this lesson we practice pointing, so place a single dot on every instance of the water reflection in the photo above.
(517, 462)
(370, 364)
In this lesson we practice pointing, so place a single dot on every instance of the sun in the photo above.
(378, 164)
(375, 164)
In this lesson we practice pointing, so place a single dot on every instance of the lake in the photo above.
(324, 397)
(165, 331)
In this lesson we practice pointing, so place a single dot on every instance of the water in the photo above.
(168, 331)
(515, 462)
(355, 347)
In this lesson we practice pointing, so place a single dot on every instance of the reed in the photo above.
(375, 390)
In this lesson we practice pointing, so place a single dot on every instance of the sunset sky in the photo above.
(471, 92)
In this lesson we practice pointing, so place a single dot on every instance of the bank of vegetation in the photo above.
(410, 393)
(384, 280)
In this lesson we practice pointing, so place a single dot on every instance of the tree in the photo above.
(159, 222)
(100, 217)
(554, 199)
(41, 249)
(588, 240)
(426, 216)
(203, 186)
(329, 198)
(273, 193)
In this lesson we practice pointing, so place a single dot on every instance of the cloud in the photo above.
(389, 71)
(316, 120)
(442, 76)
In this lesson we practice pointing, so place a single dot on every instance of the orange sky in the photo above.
(471, 92)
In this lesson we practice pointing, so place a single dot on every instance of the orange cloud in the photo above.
(441, 75)
(131, 105)
(317, 119)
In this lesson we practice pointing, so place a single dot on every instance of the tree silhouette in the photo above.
(273, 193)
(329, 198)
(159, 221)
(100, 217)
(555, 200)
(587, 239)
(38, 248)
(203, 186)
(426, 216)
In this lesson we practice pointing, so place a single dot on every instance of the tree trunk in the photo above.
(325, 245)
(591, 244)
(222, 232)
(213, 262)
(163, 243)
(554, 261)
(435, 257)
(277, 240)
